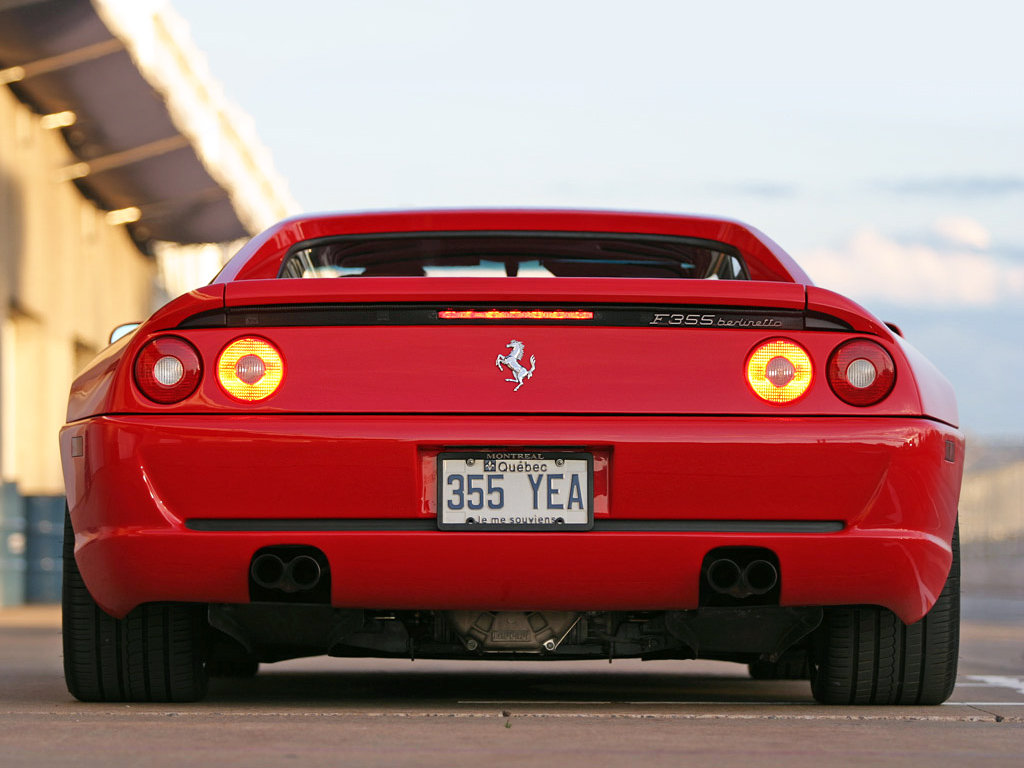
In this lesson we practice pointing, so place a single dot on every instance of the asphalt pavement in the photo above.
(426, 713)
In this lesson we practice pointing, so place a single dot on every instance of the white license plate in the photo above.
(515, 491)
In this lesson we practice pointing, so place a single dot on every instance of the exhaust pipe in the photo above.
(300, 574)
(268, 571)
(759, 577)
(727, 578)
(724, 576)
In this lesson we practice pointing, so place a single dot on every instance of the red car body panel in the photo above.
(654, 371)
(170, 502)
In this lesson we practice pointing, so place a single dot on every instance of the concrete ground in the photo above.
(387, 713)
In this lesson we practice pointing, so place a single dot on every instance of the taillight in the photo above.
(250, 369)
(168, 369)
(861, 372)
(779, 371)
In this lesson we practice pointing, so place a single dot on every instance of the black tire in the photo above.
(792, 666)
(865, 655)
(155, 653)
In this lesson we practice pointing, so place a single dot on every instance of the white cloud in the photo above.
(872, 266)
(963, 230)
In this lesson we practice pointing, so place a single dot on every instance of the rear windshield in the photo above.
(516, 254)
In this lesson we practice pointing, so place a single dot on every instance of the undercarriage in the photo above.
(274, 631)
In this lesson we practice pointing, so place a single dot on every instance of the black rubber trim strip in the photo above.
(677, 317)
(722, 526)
(291, 525)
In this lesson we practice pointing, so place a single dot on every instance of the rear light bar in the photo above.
(515, 314)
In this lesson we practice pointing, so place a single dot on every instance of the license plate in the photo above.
(515, 491)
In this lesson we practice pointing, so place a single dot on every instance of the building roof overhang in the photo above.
(149, 131)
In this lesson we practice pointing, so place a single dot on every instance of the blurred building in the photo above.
(992, 507)
(125, 179)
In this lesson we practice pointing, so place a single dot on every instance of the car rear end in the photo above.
(465, 466)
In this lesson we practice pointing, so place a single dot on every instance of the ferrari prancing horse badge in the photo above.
(519, 373)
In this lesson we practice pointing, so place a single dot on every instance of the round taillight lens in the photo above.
(168, 369)
(779, 371)
(861, 372)
(250, 369)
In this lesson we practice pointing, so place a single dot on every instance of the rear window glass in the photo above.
(518, 254)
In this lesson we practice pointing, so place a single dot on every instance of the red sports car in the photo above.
(395, 435)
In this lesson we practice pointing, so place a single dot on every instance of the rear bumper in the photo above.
(143, 482)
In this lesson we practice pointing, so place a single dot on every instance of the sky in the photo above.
(881, 143)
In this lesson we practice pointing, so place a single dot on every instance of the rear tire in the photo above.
(155, 653)
(866, 655)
